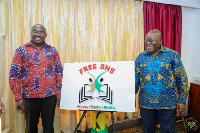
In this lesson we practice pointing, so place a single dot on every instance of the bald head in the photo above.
(38, 25)
(155, 31)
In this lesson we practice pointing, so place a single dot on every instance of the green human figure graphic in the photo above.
(96, 83)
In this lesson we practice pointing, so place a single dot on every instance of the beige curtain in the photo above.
(82, 31)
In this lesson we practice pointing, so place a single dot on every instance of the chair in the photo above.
(182, 120)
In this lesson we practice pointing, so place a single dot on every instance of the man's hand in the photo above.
(20, 104)
(180, 108)
(2, 109)
(58, 98)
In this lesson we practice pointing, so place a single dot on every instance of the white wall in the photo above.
(196, 49)
(187, 3)
(187, 39)
(191, 42)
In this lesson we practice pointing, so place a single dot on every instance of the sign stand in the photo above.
(113, 122)
(84, 113)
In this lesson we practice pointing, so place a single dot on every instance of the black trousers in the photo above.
(33, 108)
(166, 118)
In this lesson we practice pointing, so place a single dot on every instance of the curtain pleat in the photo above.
(81, 31)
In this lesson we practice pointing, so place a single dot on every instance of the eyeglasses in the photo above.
(38, 32)
(150, 40)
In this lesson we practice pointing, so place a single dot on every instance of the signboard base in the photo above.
(84, 113)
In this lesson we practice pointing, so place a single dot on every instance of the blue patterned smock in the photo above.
(159, 79)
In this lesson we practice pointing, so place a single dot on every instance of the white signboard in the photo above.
(99, 86)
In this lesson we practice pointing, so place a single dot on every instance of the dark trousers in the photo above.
(33, 108)
(165, 117)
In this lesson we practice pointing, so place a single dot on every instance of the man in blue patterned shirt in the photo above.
(163, 83)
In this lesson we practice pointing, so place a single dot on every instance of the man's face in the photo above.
(153, 42)
(38, 34)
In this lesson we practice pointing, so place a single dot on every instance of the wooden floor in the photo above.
(134, 126)
(179, 129)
